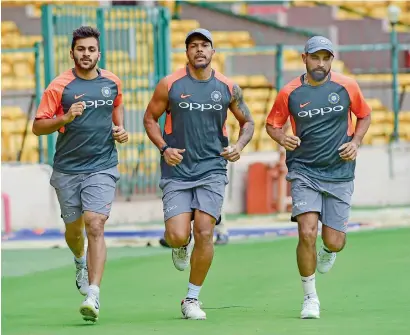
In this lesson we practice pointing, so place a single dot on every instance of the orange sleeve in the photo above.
(118, 99)
(359, 106)
(50, 103)
(280, 110)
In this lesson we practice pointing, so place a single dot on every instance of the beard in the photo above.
(91, 65)
(318, 75)
(202, 65)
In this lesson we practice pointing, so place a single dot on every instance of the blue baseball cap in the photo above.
(199, 31)
(317, 43)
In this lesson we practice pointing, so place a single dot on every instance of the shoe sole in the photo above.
(88, 314)
(309, 316)
(187, 318)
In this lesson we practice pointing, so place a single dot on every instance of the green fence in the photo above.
(19, 144)
(135, 46)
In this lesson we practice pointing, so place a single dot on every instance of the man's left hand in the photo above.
(120, 134)
(348, 151)
(231, 153)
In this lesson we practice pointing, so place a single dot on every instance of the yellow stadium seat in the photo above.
(379, 116)
(257, 94)
(12, 113)
(184, 25)
(258, 107)
(404, 116)
(258, 81)
(377, 140)
(242, 81)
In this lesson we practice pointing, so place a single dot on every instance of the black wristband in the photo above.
(162, 150)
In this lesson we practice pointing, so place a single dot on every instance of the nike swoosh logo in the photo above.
(303, 105)
(183, 96)
(78, 96)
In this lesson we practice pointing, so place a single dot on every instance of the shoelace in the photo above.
(82, 273)
(191, 303)
(181, 252)
(310, 303)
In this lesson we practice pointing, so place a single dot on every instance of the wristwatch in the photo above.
(162, 150)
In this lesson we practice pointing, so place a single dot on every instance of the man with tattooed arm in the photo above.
(195, 150)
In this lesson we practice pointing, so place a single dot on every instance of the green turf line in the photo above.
(252, 288)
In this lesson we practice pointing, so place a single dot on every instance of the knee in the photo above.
(204, 235)
(74, 233)
(307, 236)
(75, 229)
(335, 243)
(177, 238)
(95, 225)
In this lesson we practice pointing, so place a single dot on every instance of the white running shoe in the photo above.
(182, 256)
(81, 277)
(325, 260)
(90, 308)
(310, 308)
(191, 309)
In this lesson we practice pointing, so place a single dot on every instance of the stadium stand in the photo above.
(259, 91)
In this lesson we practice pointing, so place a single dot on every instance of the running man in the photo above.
(195, 151)
(82, 104)
(320, 158)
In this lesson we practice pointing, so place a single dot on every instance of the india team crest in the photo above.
(333, 98)
(106, 91)
(216, 96)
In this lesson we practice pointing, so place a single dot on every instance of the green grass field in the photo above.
(252, 288)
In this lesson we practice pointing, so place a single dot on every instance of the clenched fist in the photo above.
(173, 156)
(290, 143)
(75, 110)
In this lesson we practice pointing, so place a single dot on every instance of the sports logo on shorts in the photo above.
(333, 98)
(106, 91)
(216, 96)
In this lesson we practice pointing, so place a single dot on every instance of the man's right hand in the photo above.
(290, 143)
(173, 156)
(75, 110)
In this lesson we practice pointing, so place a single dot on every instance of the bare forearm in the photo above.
(154, 132)
(362, 125)
(245, 134)
(48, 126)
(118, 116)
(277, 134)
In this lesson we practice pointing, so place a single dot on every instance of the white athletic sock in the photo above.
(309, 286)
(81, 260)
(95, 289)
(193, 291)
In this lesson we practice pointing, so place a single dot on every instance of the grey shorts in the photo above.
(330, 199)
(206, 195)
(92, 192)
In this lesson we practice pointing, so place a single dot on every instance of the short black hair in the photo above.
(85, 32)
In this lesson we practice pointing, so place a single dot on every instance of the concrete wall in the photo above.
(34, 204)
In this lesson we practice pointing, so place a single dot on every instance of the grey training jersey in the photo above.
(86, 144)
(321, 117)
(195, 121)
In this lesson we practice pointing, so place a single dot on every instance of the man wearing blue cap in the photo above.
(321, 158)
(195, 150)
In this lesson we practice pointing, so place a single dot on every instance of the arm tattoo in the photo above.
(246, 131)
(240, 103)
